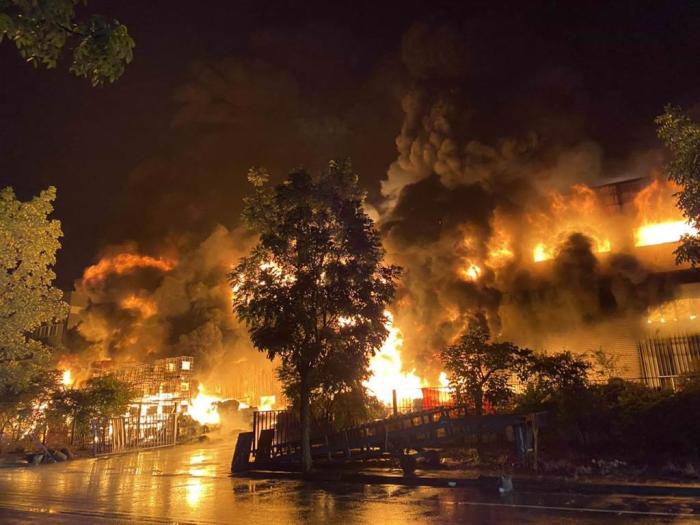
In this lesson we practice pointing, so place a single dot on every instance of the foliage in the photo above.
(622, 419)
(21, 409)
(336, 411)
(480, 369)
(314, 289)
(42, 29)
(103, 396)
(606, 365)
(28, 244)
(549, 375)
(682, 138)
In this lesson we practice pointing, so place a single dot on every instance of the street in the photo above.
(191, 484)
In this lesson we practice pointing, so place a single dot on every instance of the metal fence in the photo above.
(664, 360)
(414, 400)
(121, 434)
(283, 422)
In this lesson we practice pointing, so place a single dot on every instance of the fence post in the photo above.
(394, 402)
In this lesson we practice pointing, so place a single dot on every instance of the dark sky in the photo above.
(218, 86)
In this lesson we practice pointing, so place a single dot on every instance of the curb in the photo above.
(490, 483)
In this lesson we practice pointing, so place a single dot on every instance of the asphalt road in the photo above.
(191, 484)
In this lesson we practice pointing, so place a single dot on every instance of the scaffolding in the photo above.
(164, 388)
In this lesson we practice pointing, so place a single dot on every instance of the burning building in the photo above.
(163, 385)
(590, 269)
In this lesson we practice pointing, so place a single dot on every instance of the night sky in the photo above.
(217, 87)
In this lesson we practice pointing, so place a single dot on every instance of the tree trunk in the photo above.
(479, 410)
(305, 423)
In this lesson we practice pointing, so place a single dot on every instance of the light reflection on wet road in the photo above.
(191, 484)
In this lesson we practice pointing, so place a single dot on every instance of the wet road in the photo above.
(190, 484)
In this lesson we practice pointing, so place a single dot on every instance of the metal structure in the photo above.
(276, 440)
(171, 376)
(164, 387)
(664, 360)
(126, 433)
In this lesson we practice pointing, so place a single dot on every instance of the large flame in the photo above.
(67, 378)
(204, 409)
(267, 403)
(580, 211)
(659, 221)
(145, 307)
(123, 263)
(663, 232)
(473, 272)
(386, 370)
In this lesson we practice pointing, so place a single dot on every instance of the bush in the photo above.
(100, 397)
(621, 418)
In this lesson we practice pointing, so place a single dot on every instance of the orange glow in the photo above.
(473, 272)
(659, 221)
(67, 378)
(499, 246)
(386, 370)
(663, 232)
(123, 263)
(267, 403)
(542, 253)
(145, 307)
(203, 408)
(578, 211)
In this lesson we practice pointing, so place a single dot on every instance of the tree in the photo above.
(42, 29)
(28, 244)
(480, 369)
(21, 409)
(682, 138)
(104, 396)
(313, 290)
(548, 376)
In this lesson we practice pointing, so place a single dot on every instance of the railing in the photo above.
(126, 433)
(283, 422)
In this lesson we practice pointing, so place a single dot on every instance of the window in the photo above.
(186, 365)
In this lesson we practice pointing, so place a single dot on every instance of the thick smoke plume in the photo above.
(507, 226)
(493, 172)
(142, 307)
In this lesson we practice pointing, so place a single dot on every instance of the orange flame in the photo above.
(67, 378)
(203, 408)
(145, 307)
(386, 369)
(124, 263)
(578, 211)
(659, 219)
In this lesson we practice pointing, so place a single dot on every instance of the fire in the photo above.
(443, 379)
(267, 403)
(203, 408)
(663, 232)
(145, 307)
(386, 370)
(579, 211)
(659, 220)
(542, 253)
(473, 272)
(499, 246)
(67, 378)
(123, 263)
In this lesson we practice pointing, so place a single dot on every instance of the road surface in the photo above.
(191, 484)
